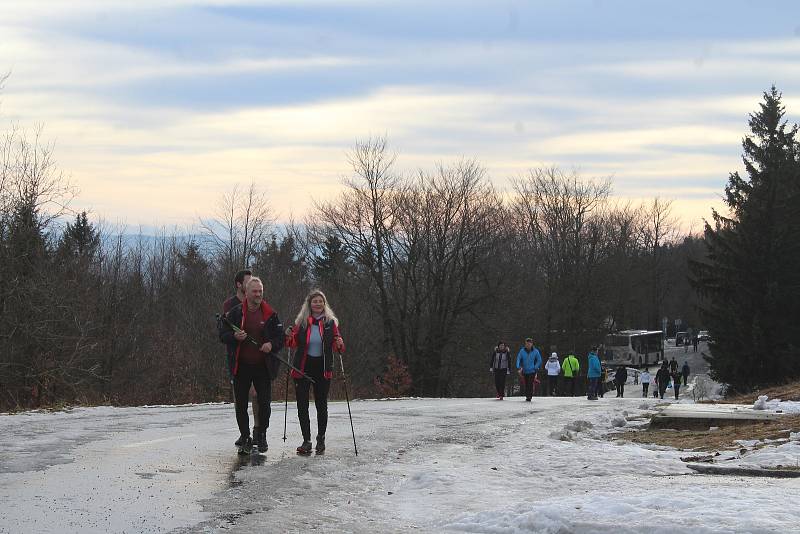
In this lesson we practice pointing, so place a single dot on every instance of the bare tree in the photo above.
(559, 217)
(421, 244)
(659, 229)
(242, 225)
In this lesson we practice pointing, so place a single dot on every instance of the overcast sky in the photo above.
(157, 107)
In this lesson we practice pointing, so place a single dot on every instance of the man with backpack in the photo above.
(571, 367)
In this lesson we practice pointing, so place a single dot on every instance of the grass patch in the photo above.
(713, 440)
(786, 392)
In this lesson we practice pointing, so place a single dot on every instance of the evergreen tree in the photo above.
(331, 266)
(749, 281)
(80, 239)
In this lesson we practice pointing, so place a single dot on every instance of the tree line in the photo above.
(427, 271)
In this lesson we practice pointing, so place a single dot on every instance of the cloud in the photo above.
(185, 98)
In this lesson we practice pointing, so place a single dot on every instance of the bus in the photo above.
(633, 348)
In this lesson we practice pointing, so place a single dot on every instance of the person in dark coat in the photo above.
(685, 372)
(676, 383)
(662, 378)
(620, 377)
(254, 364)
(500, 365)
(239, 281)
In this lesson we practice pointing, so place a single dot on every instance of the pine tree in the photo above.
(749, 282)
(331, 265)
(80, 239)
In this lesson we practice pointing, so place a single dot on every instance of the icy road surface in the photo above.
(424, 465)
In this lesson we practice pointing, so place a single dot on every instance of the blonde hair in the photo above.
(305, 311)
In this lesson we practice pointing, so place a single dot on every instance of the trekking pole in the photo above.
(286, 397)
(252, 341)
(347, 398)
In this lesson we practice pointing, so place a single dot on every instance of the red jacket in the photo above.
(331, 342)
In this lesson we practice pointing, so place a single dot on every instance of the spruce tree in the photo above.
(79, 239)
(749, 281)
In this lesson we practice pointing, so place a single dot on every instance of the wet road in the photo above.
(114, 469)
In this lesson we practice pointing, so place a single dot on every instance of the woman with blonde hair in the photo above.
(315, 337)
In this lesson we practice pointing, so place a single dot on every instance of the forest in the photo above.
(426, 272)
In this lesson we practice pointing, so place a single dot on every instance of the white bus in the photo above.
(633, 348)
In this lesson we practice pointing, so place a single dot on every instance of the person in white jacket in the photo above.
(553, 368)
(645, 378)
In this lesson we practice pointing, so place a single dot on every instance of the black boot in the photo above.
(247, 445)
(261, 439)
(320, 448)
(305, 448)
(239, 441)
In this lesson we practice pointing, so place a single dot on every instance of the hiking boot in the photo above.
(320, 448)
(247, 445)
(305, 448)
(261, 440)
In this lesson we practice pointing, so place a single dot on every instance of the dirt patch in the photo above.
(714, 440)
(787, 392)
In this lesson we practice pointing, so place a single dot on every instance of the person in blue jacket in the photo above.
(593, 374)
(528, 362)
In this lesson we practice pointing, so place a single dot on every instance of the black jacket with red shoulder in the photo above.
(272, 332)
(331, 340)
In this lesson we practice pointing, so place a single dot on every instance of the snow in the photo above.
(430, 465)
(760, 403)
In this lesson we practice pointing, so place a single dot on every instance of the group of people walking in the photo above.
(254, 335)
(667, 374)
(529, 361)
(527, 365)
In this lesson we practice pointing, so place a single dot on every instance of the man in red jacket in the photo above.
(259, 338)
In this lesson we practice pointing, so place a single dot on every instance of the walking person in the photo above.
(601, 386)
(673, 365)
(571, 368)
(645, 378)
(685, 372)
(529, 360)
(662, 377)
(553, 368)
(695, 342)
(239, 281)
(593, 373)
(254, 364)
(620, 377)
(676, 382)
(315, 337)
(500, 365)
(655, 385)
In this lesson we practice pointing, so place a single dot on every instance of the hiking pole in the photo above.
(347, 398)
(252, 341)
(286, 396)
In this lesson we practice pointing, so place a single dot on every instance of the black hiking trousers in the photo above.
(302, 389)
(500, 382)
(569, 385)
(258, 376)
(552, 381)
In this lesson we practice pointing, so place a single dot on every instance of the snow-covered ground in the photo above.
(426, 465)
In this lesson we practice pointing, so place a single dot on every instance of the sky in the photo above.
(157, 108)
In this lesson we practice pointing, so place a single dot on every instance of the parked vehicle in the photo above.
(703, 335)
(682, 338)
(633, 348)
